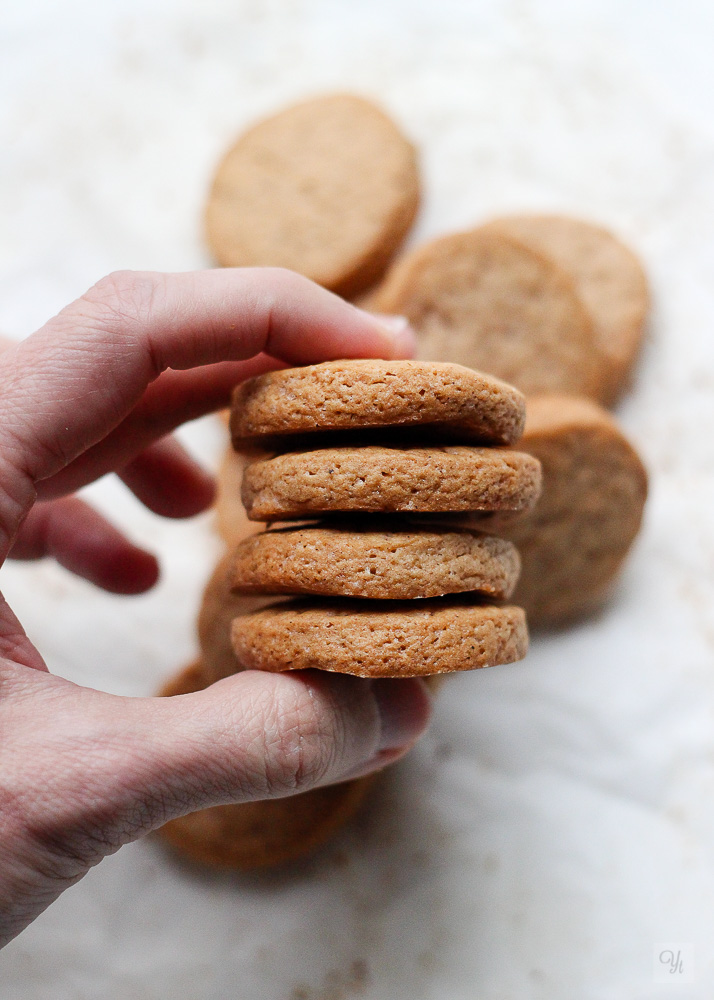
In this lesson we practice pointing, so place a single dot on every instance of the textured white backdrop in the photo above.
(557, 823)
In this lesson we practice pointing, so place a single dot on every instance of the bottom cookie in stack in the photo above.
(259, 834)
(368, 639)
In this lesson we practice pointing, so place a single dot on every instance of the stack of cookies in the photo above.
(371, 459)
(379, 454)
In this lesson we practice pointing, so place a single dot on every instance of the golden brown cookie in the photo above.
(328, 188)
(309, 483)
(259, 834)
(340, 396)
(575, 539)
(380, 639)
(361, 560)
(608, 277)
(488, 301)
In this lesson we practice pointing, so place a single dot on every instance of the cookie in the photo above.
(191, 678)
(488, 301)
(355, 560)
(219, 606)
(343, 396)
(259, 834)
(309, 483)
(232, 521)
(377, 639)
(328, 188)
(609, 280)
(575, 539)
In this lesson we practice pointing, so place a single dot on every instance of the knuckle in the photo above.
(285, 282)
(300, 739)
(281, 274)
(121, 297)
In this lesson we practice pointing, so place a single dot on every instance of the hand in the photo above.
(96, 390)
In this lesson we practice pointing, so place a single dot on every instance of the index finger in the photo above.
(68, 385)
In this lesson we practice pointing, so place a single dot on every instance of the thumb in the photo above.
(250, 736)
(111, 769)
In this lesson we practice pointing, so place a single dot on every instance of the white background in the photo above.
(556, 826)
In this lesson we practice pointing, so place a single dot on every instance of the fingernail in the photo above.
(404, 708)
(401, 333)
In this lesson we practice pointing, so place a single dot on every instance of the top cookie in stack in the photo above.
(390, 595)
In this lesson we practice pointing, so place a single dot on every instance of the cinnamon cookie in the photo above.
(449, 400)
(328, 188)
(357, 560)
(309, 483)
(376, 639)
(575, 539)
(486, 300)
(259, 834)
(608, 277)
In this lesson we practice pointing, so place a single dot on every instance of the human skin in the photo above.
(98, 389)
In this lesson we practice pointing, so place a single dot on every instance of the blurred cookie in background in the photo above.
(609, 279)
(219, 606)
(574, 541)
(488, 301)
(231, 521)
(328, 188)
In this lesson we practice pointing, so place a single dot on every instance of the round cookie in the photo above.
(328, 188)
(343, 396)
(357, 560)
(488, 301)
(259, 834)
(309, 483)
(371, 639)
(609, 280)
(575, 539)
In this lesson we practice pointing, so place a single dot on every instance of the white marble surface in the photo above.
(557, 823)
